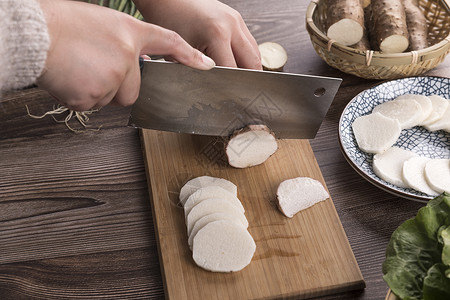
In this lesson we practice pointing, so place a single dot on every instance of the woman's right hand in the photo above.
(94, 53)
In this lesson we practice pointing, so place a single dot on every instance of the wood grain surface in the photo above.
(75, 215)
(305, 256)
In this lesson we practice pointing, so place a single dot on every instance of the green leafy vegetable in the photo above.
(417, 264)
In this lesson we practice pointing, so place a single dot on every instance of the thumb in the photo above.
(160, 41)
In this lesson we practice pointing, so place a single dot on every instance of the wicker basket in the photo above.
(374, 64)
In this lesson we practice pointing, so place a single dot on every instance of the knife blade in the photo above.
(177, 98)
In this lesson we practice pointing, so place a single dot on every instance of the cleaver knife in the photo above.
(177, 98)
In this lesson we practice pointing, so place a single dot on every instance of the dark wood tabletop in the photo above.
(75, 215)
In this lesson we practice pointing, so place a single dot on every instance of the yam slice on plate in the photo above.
(414, 175)
(223, 246)
(211, 192)
(299, 193)
(424, 102)
(210, 206)
(437, 173)
(375, 133)
(250, 146)
(442, 123)
(440, 105)
(407, 111)
(273, 56)
(198, 182)
(389, 165)
(208, 219)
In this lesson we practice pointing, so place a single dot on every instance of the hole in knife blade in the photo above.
(319, 92)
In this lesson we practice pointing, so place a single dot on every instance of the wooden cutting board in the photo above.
(308, 255)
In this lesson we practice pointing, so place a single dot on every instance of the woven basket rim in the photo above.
(371, 56)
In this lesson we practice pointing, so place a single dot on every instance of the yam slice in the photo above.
(389, 165)
(439, 105)
(273, 56)
(208, 219)
(298, 194)
(198, 182)
(345, 21)
(250, 146)
(223, 246)
(406, 110)
(437, 173)
(211, 192)
(414, 175)
(442, 123)
(375, 133)
(424, 102)
(211, 206)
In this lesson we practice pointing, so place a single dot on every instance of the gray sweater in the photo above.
(24, 42)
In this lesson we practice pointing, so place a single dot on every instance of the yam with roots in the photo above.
(250, 146)
(345, 21)
(389, 25)
(417, 25)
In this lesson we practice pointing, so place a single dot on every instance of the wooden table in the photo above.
(75, 216)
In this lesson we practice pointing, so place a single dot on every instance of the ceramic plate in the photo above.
(417, 139)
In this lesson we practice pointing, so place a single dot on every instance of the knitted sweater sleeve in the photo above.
(24, 42)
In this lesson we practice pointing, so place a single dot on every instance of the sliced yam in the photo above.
(439, 106)
(273, 56)
(425, 103)
(417, 25)
(414, 175)
(389, 25)
(375, 133)
(211, 206)
(442, 123)
(208, 219)
(345, 21)
(298, 194)
(437, 173)
(406, 110)
(198, 182)
(223, 246)
(250, 146)
(389, 165)
(211, 192)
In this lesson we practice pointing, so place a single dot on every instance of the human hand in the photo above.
(208, 25)
(94, 54)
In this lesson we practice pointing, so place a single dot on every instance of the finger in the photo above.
(223, 54)
(128, 91)
(162, 41)
(246, 50)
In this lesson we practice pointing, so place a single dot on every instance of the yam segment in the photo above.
(389, 25)
(424, 102)
(407, 111)
(439, 106)
(414, 175)
(345, 21)
(273, 56)
(389, 165)
(375, 133)
(417, 25)
(437, 173)
(299, 193)
(210, 206)
(208, 219)
(198, 182)
(211, 192)
(250, 146)
(442, 123)
(223, 246)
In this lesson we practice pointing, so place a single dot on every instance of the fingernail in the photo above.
(208, 62)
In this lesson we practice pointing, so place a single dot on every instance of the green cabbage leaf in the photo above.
(417, 264)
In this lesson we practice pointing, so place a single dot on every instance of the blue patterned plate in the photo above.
(417, 139)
